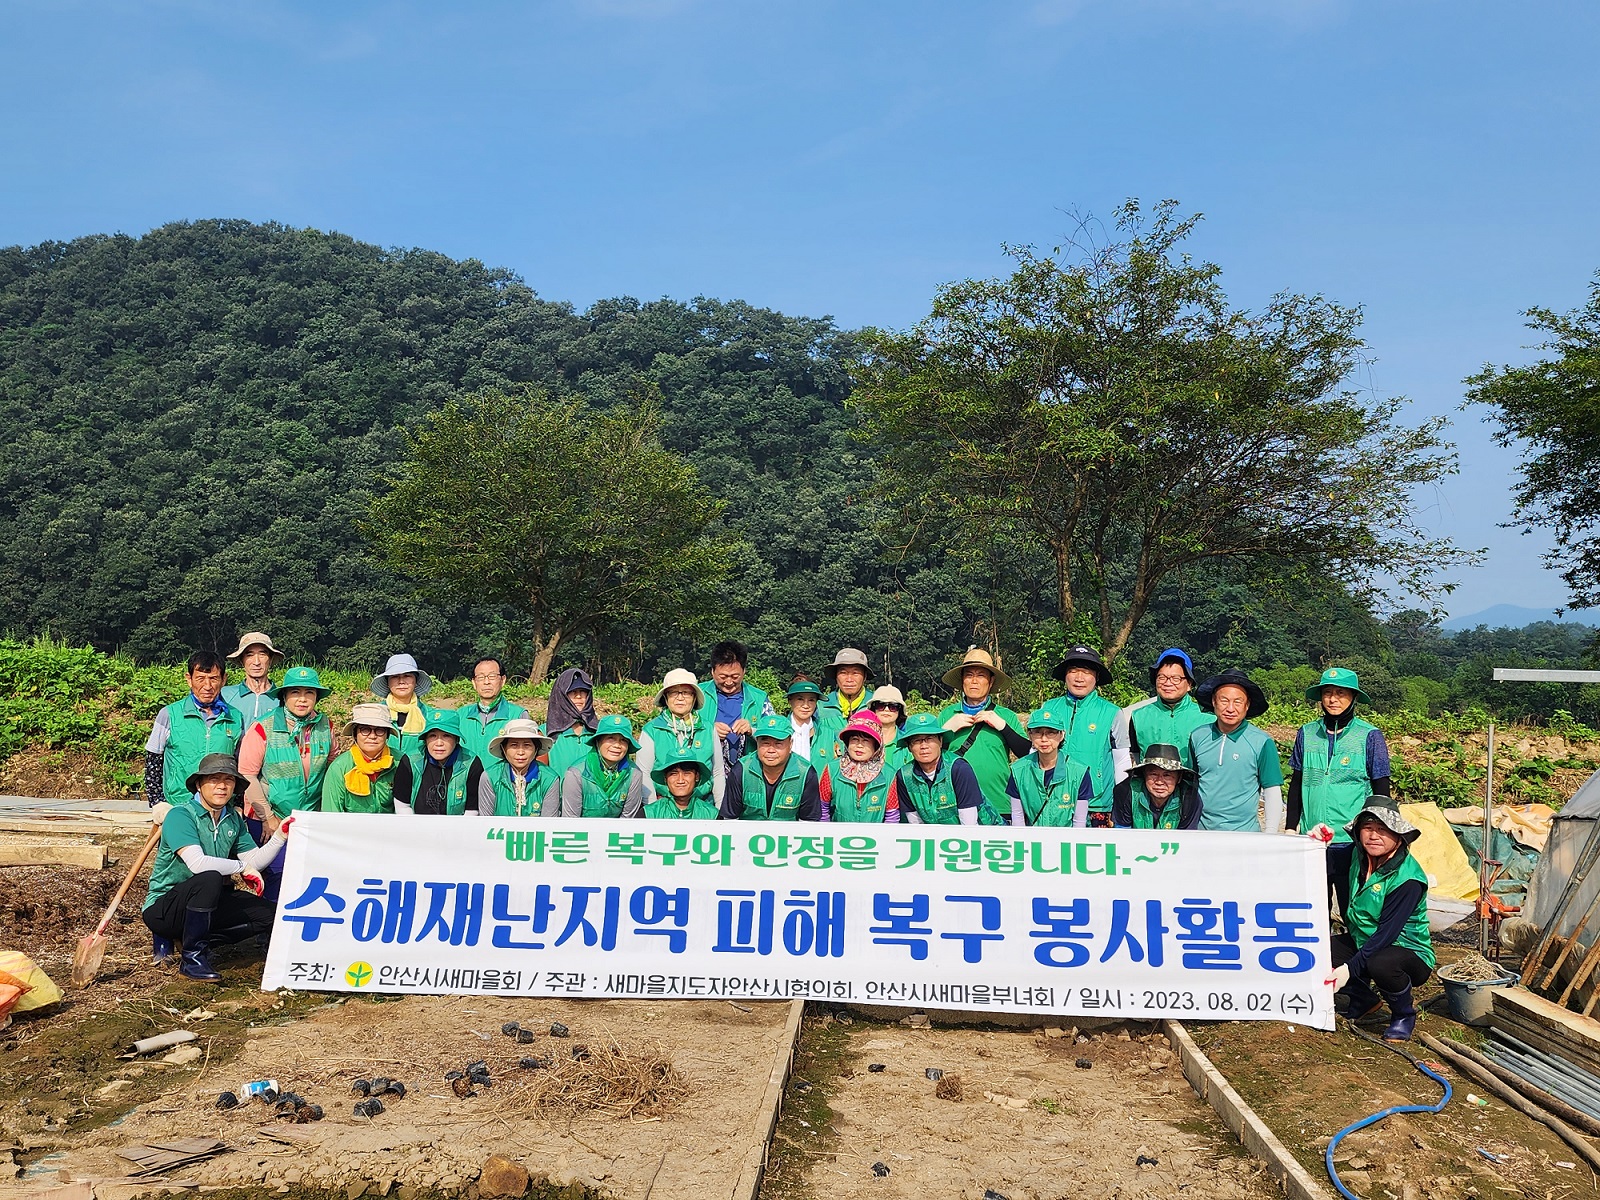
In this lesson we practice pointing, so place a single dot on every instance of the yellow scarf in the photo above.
(409, 717)
(358, 779)
(849, 706)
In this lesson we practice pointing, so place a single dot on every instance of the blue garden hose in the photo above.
(1388, 1112)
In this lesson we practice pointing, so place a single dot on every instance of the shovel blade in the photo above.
(86, 959)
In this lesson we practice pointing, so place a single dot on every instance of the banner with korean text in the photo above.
(1127, 923)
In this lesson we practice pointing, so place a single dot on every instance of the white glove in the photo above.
(1341, 976)
(158, 812)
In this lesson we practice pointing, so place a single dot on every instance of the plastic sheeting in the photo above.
(1570, 831)
(1439, 854)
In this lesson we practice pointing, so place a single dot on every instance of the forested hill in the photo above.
(197, 419)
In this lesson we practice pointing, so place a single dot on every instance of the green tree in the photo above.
(1551, 409)
(1112, 403)
(574, 519)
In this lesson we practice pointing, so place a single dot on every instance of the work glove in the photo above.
(1341, 976)
(252, 882)
(1320, 833)
(158, 812)
(283, 826)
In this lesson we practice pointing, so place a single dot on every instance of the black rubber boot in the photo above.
(196, 962)
(1402, 1016)
(1356, 1001)
(161, 950)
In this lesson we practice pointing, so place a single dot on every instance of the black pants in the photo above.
(235, 915)
(1392, 969)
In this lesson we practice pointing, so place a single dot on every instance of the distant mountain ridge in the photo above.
(1513, 616)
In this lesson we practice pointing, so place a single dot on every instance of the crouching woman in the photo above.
(1383, 894)
(204, 847)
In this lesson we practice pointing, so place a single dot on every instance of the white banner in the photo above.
(1127, 923)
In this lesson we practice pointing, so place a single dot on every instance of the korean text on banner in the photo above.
(1124, 923)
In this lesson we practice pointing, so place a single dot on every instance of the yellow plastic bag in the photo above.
(41, 988)
(1449, 871)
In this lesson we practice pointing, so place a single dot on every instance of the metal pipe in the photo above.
(1573, 1077)
(1547, 1079)
(1574, 1115)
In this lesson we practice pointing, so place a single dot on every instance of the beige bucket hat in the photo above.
(374, 716)
(256, 638)
(976, 657)
(679, 677)
(520, 727)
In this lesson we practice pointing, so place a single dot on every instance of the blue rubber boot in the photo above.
(161, 950)
(1356, 1001)
(1402, 1016)
(196, 962)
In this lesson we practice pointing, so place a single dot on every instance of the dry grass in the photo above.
(616, 1080)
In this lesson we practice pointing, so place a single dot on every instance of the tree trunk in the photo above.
(1066, 608)
(544, 653)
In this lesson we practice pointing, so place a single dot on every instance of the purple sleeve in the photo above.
(1377, 756)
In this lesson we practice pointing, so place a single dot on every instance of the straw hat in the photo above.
(977, 657)
(255, 638)
(680, 677)
(401, 664)
(520, 727)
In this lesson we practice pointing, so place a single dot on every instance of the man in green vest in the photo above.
(1046, 788)
(1159, 793)
(939, 788)
(609, 782)
(681, 774)
(1241, 779)
(1165, 719)
(253, 695)
(482, 721)
(1383, 893)
(1088, 721)
(1338, 760)
(982, 732)
(514, 784)
(735, 706)
(439, 778)
(847, 677)
(361, 779)
(775, 783)
(187, 730)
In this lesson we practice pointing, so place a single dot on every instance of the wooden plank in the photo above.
(68, 856)
(66, 825)
(754, 1164)
(1518, 1003)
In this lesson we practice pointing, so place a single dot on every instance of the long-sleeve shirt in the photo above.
(810, 808)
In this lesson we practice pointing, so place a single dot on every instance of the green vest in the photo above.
(786, 796)
(455, 788)
(830, 719)
(1145, 817)
(1088, 741)
(505, 792)
(190, 737)
(698, 810)
(1157, 724)
(290, 786)
(404, 745)
(1057, 806)
(935, 800)
(475, 732)
(336, 799)
(189, 824)
(1333, 787)
(1366, 902)
(595, 803)
(987, 756)
(752, 702)
(868, 806)
(567, 752)
(703, 744)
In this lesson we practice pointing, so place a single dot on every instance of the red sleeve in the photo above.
(892, 804)
(825, 786)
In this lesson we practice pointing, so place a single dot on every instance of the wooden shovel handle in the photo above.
(144, 855)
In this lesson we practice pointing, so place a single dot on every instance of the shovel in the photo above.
(92, 948)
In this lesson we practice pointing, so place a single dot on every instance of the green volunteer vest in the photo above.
(752, 701)
(595, 803)
(1088, 741)
(188, 824)
(786, 796)
(190, 737)
(475, 732)
(935, 800)
(987, 756)
(1333, 787)
(702, 744)
(335, 798)
(567, 752)
(868, 806)
(290, 786)
(1056, 806)
(1158, 724)
(829, 721)
(505, 792)
(1145, 817)
(1366, 903)
(455, 788)
(698, 810)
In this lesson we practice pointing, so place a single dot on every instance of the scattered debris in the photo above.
(501, 1176)
(1083, 1064)
(877, 1068)
(557, 1029)
(1478, 1100)
(511, 1029)
(949, 1088)
(369, 1108)
(609, 1079)
(580, 1052)
(395, 1089)
(265, 1089)
(526, 1036)
(363, 1087)
(1473, 968)
(227, 1100)
(462, 1086)
(1146, 1160)
(183, 1056)
(534, 1064)
(802, 1086)
(161, 1041)
(880, 1169)
(991, 1194)
(160, 1157)
(934, 1074)
(1489, 1156)
(741, 1007)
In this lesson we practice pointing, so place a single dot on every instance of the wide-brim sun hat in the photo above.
(775, 726)
(976, 656)
(401, 664)
(848, 657)
(299, 677)
(682, 758)
(520, 727)
(1378, 808)
(1337, 677)
(865, 724)
(615, 725)
(925, 724)
(214, 764)
(679, 677)
(1172, 654)
(1083, 656)
(1164, 757)
(1205, 694)
(256, 638)
(372, 716)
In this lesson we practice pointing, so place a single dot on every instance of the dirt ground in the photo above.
(1029, 1123)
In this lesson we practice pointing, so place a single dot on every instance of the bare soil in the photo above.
(53, 774)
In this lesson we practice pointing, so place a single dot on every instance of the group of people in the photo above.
(847, 750)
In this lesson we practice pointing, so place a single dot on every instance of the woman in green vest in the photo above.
(856, 786)
(513, 783)
(606, 782)
(847, 677)
(1383, 893)
(288, 751)
(1089, 721)
(981, 731)
(437, 778)
(682, 726)
(888, 704)
(1047, 787)
(1159, 793)
(570, 718)
(1338, 760)
(361, 780)
(681, 775)
(938, 787)
(803, 696)
(401, 685)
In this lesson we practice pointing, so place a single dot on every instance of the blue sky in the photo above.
(1433, 162)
